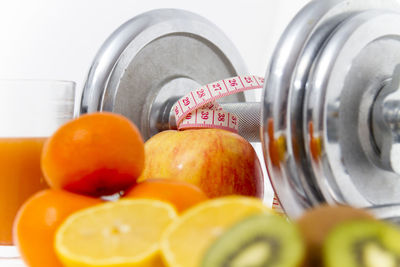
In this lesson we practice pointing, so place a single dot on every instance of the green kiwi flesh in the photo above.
(316, 223)
(362, 243)
(261, 240)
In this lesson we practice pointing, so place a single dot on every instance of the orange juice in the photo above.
(20, 177)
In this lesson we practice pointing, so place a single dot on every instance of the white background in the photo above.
(57, 39)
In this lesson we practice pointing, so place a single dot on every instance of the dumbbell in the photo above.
(329, 118)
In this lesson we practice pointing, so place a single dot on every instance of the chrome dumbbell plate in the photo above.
(326, 72)
(155, 57)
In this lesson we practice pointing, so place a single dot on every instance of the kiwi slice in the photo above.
(260, 240)
(315, 224)
(363, 243)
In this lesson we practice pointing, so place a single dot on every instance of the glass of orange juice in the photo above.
(30, 111)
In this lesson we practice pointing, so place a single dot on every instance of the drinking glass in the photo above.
(30, 111)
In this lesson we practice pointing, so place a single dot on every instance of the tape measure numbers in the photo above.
(199, 108)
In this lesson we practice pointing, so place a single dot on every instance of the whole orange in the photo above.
(37, 221)
(96, 154)
(181, 194)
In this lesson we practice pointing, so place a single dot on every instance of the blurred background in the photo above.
(57, 39)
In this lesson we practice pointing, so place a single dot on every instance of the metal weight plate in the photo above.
(345, 81)
(155, 58)
(297, 132)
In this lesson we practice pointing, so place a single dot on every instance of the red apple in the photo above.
(219, 162)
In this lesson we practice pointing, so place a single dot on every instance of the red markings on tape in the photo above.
(198, 109)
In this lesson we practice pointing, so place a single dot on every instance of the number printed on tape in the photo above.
(198, 109)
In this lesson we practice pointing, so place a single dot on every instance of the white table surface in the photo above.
(12, 263)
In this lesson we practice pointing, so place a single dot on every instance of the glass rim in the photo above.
(34, 108)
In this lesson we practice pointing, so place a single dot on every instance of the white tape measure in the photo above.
(198, 109)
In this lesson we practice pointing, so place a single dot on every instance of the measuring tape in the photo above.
(198, 109)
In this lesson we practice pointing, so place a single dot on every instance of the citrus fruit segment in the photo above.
(121, 233)
(186, 239)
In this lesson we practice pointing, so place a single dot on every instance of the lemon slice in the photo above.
(120, 233)
(185, 240)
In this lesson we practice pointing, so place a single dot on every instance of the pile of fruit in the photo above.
(174, 207)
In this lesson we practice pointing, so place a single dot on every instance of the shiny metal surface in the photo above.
(289, 176)
(385, 123)
(248, 114)
(390, 212)
(156, 56)
(286, 133)
(342, 86)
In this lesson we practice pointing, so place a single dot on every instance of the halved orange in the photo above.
(187, 238)
(120, 233)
